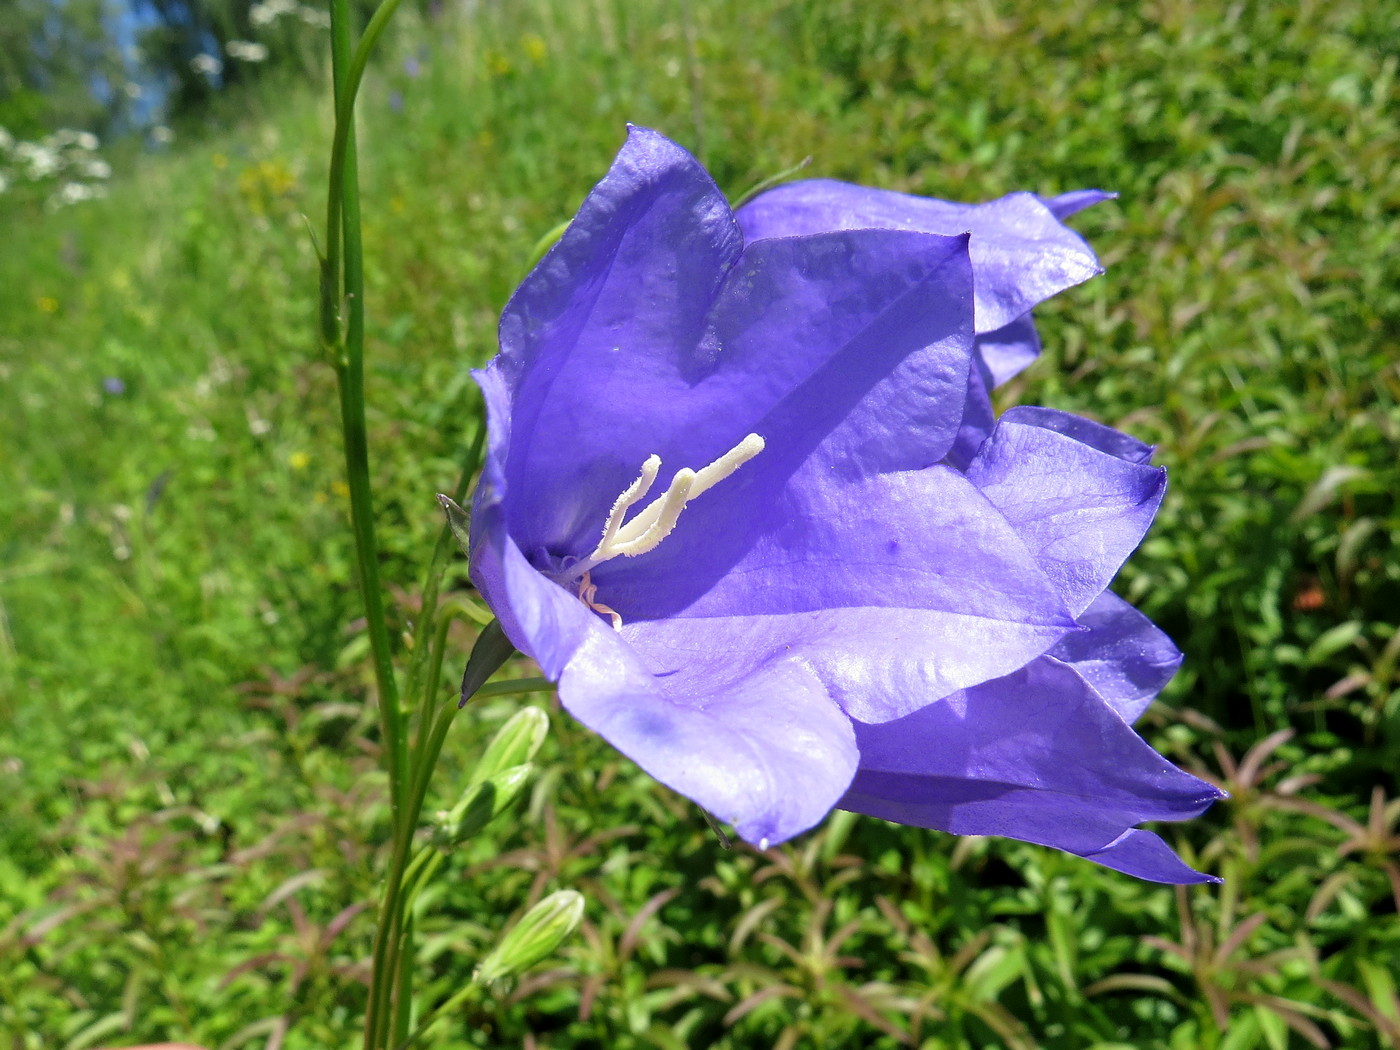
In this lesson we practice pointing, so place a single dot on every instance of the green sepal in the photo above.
(542, 246)
(491, 651)
(459, 521)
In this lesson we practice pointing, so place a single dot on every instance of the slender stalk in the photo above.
(489, 653)
(425, 628)
(347, 71)
(343, 228)
(342, 330)
(342, 284)
(403, 1001)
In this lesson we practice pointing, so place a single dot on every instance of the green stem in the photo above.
(487, 656)
(425, 654)
(342, 286)
(347, 71)
(342, 282)
(438, 1014)
(403, 1002)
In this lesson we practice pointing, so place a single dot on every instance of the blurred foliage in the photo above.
(59, 67)
(187, 737)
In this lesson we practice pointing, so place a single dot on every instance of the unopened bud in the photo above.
(539, 932)
(514, 744)
(480, 804)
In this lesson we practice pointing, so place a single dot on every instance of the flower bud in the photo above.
(480, 804)
(541, 930)
(514, 744)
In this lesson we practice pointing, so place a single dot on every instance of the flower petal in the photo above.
(1095, 435)
(896, 589)
(757, 743)
(753, 738)
(1145, 856)
(978, 421)
(1122, 655)
(880, 319)
(541, 619)
(1080, 511)
(603, 327)
(1021, 253)
(1036, 755)
(1064, 205)
(1009, 349)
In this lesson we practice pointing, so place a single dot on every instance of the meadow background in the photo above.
(189, 790)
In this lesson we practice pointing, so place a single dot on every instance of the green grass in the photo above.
(187, 740)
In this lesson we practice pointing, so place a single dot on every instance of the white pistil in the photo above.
(656, 520)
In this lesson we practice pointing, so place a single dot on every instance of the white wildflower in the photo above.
(206, 64)
(41, 161)
(74, 192)
(246, 50)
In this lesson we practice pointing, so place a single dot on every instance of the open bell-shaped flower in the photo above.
(722, 506)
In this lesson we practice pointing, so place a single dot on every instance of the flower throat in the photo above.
(654, 522)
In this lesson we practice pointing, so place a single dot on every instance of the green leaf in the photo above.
(1333, 641)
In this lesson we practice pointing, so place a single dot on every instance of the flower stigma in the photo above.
(654, 522)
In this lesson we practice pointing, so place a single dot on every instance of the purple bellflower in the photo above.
(736, 504)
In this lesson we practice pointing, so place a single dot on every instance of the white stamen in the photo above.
(630, 495)
(656, 521)
(707, 477)
(658, 518)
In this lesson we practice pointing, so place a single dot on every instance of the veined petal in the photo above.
(1036, 755)
(1081, 511)
(1009, 349)
(1096, 435)
(978, 421)
(596, 340)
(1122, 655)
(1021, 253)
(540, 618)
(1145, 856)
(878, 321)
(757, 743)
(896, 589)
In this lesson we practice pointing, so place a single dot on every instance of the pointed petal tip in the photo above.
(1145, 855)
